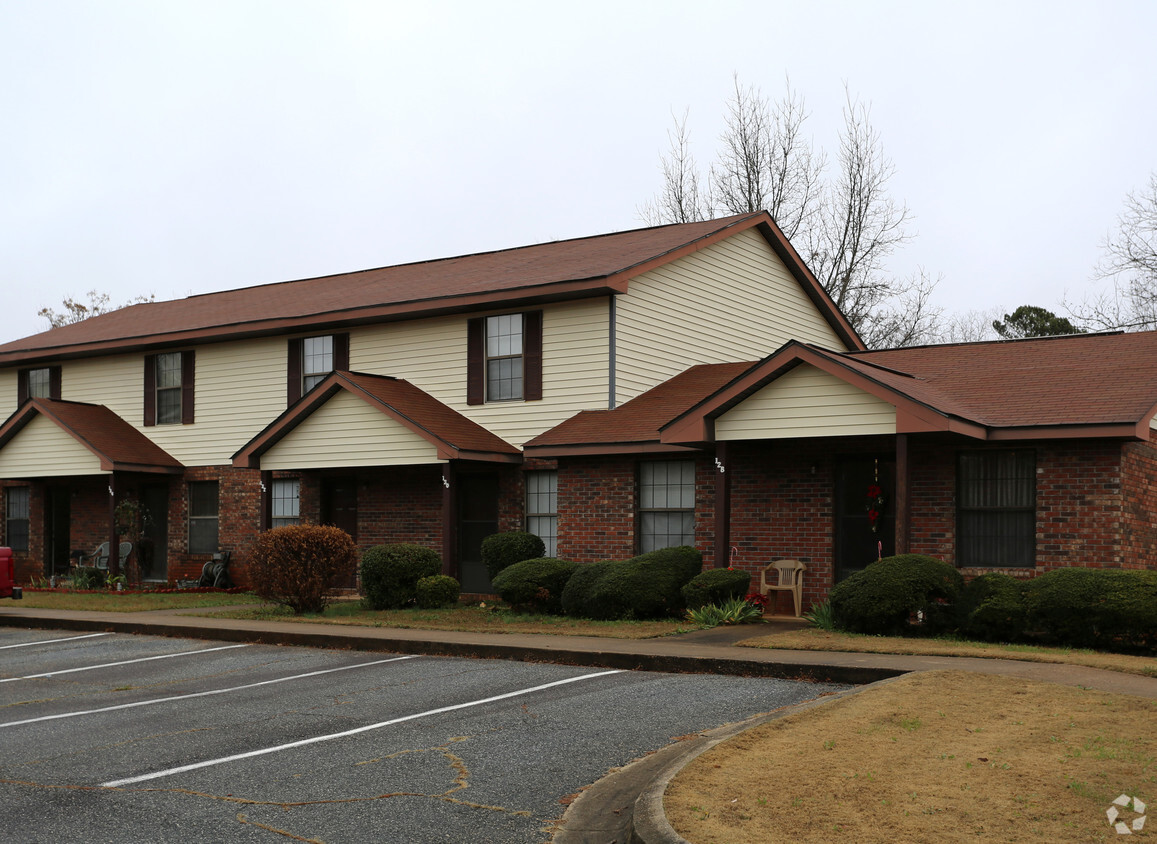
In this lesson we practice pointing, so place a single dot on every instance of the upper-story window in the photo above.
(504, 358)
(40, 383)
(316, 360)
(311, 359)
(169, 388)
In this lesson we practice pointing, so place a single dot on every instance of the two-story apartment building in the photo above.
(684, 384)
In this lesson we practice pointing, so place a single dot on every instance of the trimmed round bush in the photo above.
(715, 586)
(991, 608)
(535, 585)
(437, 591)
(1112, 609)
(295, 566)
(647, 586)
(501, 550)
(882, 597)
(390, 574)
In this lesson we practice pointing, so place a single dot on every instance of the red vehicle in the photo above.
(8, 587)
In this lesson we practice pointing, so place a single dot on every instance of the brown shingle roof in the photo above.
(117, 444)
(1079, 379)
(563, 269)
(453, 434)
(639, 420)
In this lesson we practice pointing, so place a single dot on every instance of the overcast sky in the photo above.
(170, 148)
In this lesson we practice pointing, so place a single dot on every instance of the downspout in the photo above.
(612, 356)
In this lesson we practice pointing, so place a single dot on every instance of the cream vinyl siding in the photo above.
(240, 388)
(806, 402)
(346, 431)
(7, 393)
(733, 301)
(431, 354)
(43, 449)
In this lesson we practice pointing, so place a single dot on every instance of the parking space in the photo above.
(180, 740)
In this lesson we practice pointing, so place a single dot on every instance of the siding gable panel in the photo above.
(43, 449)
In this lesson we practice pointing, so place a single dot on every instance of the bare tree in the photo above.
(1130, 263)
(846, 227)
(967, 327)
(74, 310)
(680, 201)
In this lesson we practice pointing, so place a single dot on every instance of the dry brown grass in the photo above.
(812, 639)
(939, 756)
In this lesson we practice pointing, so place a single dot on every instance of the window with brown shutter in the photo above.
(170, 388)
(504, 358)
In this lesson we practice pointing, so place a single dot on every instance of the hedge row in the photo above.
(1108, 609)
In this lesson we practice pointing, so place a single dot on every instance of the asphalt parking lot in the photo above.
(120, 738)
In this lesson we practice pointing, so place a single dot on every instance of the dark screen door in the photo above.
(477, 519)
(856, 543)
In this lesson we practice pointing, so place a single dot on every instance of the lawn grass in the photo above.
(814, 639)
(944, 756)
(471, 618)
(113, 601)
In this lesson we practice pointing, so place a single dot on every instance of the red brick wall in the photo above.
(1139, 508)
(596, 502)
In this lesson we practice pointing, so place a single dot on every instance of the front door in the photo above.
(477, 519)
(57, 534)
(339, 507)
(153, 550)
(864, 528)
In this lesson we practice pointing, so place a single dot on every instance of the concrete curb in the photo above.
(594, 658)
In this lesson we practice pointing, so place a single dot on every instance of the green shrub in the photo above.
(991, 608)
(647, 586)
(88, 577)
(715, 586)
(295, 565)
(437, 591)
(820, 615)
(1112, 609)
(500, 550)
(535, 585)
(390, 574)
(882, 597)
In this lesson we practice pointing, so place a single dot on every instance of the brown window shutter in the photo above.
(341, 352)
(21, 386)
(475, 361)
(54, 382)
(150, 390)
(532, 356)
(188, 384)
(293, 372)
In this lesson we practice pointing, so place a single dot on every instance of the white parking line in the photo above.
(201, 694)
(54, 641)
(114, 664)
(317, 739)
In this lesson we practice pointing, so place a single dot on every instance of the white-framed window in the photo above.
(17, 504)
(542, 508)
(286, 502)
(40, 383)
(169, 388)
(504, 357)
(203, 521)
(996, 508)
(316, 360)
(666, 504)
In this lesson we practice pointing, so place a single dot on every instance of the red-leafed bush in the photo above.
(296, 565)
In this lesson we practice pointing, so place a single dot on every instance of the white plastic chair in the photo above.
(789, 579)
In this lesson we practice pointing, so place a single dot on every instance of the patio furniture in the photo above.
(789, 578)
(99, 557)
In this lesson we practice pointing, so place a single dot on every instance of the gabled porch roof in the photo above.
(403, 407)
(47, 437)
(1047, 388)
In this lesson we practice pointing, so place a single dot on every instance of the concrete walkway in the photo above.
(627, 805)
